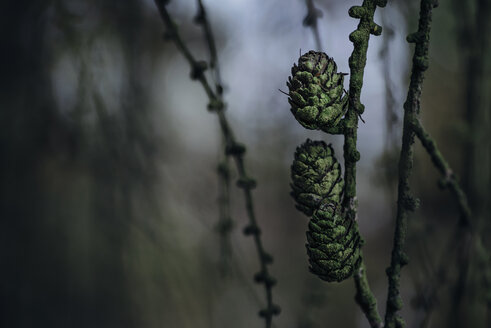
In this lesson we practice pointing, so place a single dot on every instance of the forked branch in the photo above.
(406, 202)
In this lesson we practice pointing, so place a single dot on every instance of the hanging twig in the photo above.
(225, 223)
(310, 20)
(237, 151)
(391, 118)
(202, 19)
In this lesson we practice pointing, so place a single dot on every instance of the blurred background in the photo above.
(109, 187)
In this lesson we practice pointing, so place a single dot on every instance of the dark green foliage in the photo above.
(316, 92)
(333, 244)
(316, 177)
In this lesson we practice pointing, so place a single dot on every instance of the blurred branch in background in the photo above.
(75, 167)
(472, 30)
(310, 20)
(391, 117)
(314, 297)
(388, 160)
(232, 148)
(201, 18)
(225, 223)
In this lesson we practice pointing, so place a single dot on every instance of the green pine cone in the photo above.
(316, 91)
(316, 177)
(333, 244)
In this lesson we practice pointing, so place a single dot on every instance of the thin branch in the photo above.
(310, 20)
(406, 202)
(237, 151)
(365, 298)
(225, 224)
(202, 19)
(391, 118)
(441, 164)
(357, 62)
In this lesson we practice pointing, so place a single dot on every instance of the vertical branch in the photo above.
(466, 36)
(473, 24)
(235, 150)
(365, 298)
(225, 223)
(357, 62)
(391, 118)
(388, 157)
(310, 20)
(202, 19)
(472, 35)
(406, 202)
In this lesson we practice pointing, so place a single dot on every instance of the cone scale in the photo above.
(316, 93)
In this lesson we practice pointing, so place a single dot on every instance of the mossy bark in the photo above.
(357, 61)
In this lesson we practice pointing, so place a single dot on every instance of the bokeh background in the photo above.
(109, 188)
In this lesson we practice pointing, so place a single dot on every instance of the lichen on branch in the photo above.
(357, 61)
